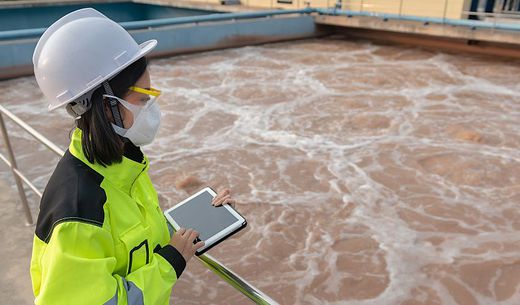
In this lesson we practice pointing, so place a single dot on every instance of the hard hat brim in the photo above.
(146, 47)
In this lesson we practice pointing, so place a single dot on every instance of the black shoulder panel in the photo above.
(73, 193)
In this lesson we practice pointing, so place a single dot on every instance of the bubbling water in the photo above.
(369, 174)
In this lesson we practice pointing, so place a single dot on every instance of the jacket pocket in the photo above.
(137, 247)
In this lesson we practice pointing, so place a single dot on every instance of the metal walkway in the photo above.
(462, 29)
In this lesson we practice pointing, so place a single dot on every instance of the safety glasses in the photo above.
(152, 91)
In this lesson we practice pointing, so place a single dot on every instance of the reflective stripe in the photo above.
(112, 301)
(134, 295)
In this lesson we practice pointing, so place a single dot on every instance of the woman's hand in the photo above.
(224, 196)
(183, 239)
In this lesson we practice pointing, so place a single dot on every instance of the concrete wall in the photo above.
(428, 8)
(16, 54)
(433, 8)
(268, 4)
(288, 4)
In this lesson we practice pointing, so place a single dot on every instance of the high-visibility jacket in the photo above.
(101, 237)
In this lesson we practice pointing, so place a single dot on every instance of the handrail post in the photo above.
(498, 14)
(400, 7)
(13, 167)
(445, 11)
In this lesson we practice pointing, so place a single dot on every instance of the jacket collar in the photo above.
(122, 175)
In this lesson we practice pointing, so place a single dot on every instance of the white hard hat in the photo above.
(80, 51)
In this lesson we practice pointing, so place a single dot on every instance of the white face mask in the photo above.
(147, 119)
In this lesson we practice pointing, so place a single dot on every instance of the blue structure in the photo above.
(175, 34)
(43, 15)
(184, 30)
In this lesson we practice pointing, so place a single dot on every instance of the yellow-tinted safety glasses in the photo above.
(151, 91)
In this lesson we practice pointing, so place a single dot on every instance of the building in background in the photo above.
(454, 9)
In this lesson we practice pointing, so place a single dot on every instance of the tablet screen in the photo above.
(199, 214)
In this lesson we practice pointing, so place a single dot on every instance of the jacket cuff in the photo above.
(174, 257)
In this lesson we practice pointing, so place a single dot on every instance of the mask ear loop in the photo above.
(113, 106)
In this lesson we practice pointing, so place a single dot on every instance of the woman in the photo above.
(101, 237)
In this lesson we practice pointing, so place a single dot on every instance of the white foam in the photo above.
(289, 111)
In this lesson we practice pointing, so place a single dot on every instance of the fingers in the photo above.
(224, 200)
(186, 234)
(221, 200)
(184, 241)
(178, 240)
(225, 192)
(223, 197)
(229, 201)
(192, 235)
(183, 236)
(194, 246)
(220, 196)
(198, 245)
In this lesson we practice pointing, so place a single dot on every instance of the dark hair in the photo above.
(99, 141)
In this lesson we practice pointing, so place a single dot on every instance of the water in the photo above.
(369, 174)
(34, 16)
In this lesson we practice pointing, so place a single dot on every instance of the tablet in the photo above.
(214, 224)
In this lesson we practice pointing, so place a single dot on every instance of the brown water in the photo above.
(369, 174)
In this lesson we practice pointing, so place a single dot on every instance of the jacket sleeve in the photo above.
(78, 268)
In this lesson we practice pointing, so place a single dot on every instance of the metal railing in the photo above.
(154, 23)
(210, 262)
(495, 24)
(501, 9)
(471, 24)
(507, 5)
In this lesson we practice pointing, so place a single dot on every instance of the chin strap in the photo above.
(113, 106)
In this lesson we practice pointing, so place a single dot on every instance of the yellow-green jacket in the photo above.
(101, 237)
